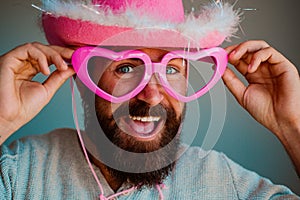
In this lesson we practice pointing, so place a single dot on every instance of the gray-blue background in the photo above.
(243, 139)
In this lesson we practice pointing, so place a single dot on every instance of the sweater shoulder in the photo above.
(41, 144)
(212, 169)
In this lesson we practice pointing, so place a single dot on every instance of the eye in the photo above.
(171, 70)
(126, 68)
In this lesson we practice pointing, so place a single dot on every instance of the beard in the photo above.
(140, 171)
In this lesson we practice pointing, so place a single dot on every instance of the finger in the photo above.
(241, 55)
(247, 47)
(26, 53)
(269, 55)
(56, 79)
(241, 66)
(234, 84)
(65, 52)
(229, 49)
(54, 55)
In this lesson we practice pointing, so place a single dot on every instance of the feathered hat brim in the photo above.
(78, 25)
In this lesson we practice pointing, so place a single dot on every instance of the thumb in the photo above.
(56, 80)
(234, 84)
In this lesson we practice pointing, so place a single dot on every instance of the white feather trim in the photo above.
(215, 17)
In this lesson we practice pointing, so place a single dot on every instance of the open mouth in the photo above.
(141, 127)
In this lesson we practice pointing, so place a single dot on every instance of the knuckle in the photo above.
(264, 43)
(57, 49)
(28, 45)
(56, 59)
(53, 46)
(247, 42)
(257, 55)
(55, 54)
(256, 42)
(36, 44)
(261, 41)
(31, 45)
(270, 49)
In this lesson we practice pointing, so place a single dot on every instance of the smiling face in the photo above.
(121, 77)
(147, 122)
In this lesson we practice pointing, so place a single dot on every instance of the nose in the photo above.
(152, 93)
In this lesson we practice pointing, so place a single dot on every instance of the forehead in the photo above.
(156, 54)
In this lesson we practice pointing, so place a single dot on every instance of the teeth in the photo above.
(145, 119)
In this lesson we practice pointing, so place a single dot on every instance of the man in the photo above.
(273, 82)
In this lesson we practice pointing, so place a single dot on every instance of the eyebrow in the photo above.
(128, 59)
(116, 63)
(135, 59)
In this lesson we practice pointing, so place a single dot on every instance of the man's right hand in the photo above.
(21, 99)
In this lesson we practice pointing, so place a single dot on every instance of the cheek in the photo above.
(179, 109)
(105, 107)
(105, 83)
(180, 87)
(115, 86)
(113, 107)
(176, 105)
(178, 84)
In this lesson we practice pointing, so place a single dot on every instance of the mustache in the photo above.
(138, 171)
(141, 108)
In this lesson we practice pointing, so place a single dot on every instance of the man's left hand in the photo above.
(272, 95)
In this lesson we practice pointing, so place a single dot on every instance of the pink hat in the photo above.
(151, 23)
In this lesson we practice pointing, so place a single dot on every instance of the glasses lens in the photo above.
(116, 78)
(188, 77)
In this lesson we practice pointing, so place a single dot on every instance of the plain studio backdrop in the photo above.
(242, 139)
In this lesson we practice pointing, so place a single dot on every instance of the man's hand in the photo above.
(21, 99)
(272, 95)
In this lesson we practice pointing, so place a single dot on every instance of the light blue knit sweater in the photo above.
(52, 166)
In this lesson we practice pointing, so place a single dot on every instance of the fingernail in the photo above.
(249, 66)
(47, 72)
(64, 65)
(233, 53)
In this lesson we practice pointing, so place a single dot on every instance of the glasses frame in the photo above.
(81, 56)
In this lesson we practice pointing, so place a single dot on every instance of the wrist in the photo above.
(290, 138)
(289, 133)
(6, 129)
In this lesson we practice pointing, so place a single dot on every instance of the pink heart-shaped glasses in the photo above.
(132, 70)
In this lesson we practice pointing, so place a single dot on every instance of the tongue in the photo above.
(141, 128)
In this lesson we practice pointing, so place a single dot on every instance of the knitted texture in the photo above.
(52, 166)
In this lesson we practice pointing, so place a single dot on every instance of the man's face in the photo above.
(146, 123)
(142, 126)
